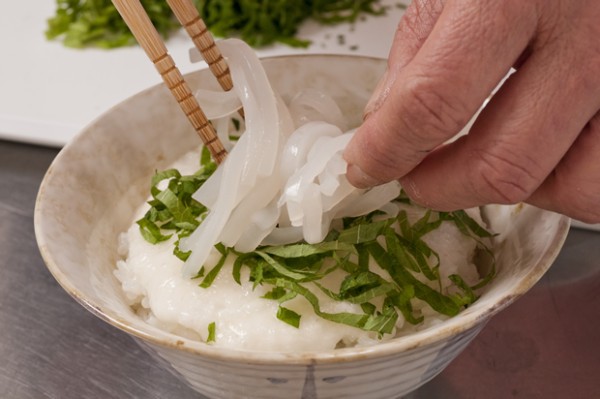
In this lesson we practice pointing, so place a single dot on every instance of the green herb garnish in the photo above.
(173, 209)
(288, 316)
(211, 332)
(80, 23)
(395, 244)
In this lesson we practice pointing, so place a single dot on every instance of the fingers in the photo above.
(414, 28)
(417, 22)
(521, 136)
(574, 186)
(470, 48)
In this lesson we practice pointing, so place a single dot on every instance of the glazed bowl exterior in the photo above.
(91, 190)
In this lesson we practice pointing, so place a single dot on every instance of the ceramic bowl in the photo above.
(91, 190)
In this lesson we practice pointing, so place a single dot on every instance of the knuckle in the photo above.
(430, 113)
(504, 176)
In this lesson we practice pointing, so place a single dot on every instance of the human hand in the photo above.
(537, 140)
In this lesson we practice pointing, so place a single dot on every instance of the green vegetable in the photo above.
(264, 22)
(292, 270)
(288, 316)
(211, 332)
(80, 23)
(211, 275)
(173, 208)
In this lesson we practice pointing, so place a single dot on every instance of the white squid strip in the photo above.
(370, 201)
(255, 201)
(217, 104)
(262, 224)
(283, 235)
(277, 186)
(301, 141)
(222, 128)
(314, 105)
(260, 107)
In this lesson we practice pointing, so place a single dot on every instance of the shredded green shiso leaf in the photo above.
(212, 329)
(82, 23)
(97, 23)
(395, 244)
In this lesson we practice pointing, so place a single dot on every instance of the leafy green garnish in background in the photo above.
(81, 23)
(263, 22)
(394, 244)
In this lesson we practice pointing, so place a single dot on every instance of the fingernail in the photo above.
(379, 95)
(359, 179)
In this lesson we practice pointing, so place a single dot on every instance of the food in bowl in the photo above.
(94, 186)
(276, 251)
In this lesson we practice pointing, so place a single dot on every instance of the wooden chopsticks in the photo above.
(139, 23)
(190, 19)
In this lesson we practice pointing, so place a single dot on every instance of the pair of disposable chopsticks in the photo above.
(139, 23)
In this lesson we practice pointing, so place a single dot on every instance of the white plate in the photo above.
(49, 92)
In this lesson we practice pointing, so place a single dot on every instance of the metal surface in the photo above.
(546, 345)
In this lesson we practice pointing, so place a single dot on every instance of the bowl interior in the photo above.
(93, 187)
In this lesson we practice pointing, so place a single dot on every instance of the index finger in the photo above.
(470, 49)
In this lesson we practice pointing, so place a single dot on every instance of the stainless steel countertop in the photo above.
(546, 345)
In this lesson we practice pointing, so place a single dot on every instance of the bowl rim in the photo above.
(428, 336)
